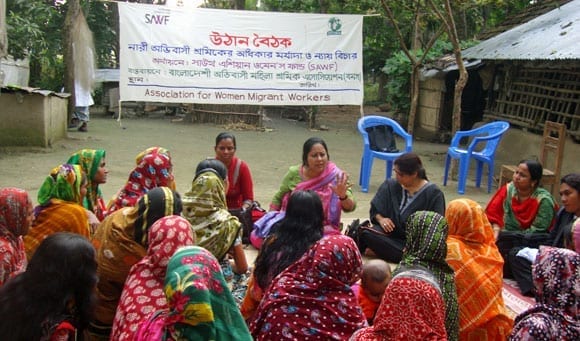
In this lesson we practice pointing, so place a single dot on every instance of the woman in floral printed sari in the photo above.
(143, 290)
(312, 299)
(154, 169)
(92, 162)
(556, 314)
(59, 207)
(15, 220)
(204, 206)
(200, 305)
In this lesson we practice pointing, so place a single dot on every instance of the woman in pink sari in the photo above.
(316, 173)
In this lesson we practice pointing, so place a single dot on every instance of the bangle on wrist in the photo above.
(343, 198)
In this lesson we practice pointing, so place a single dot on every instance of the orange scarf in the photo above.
(478, 266)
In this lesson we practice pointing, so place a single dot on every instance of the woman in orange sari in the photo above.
(478, 266)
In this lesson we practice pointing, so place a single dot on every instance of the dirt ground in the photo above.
(268, 152)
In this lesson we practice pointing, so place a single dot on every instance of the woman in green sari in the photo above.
(200, 305)
(204, 206)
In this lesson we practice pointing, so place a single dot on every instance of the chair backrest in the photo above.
(489, 135)
(553, 143)
(374, 120)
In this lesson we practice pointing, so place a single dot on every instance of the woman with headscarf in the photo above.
(478, 265)
(426, 246)
(121, 241)
(92, 162)
(556, 314)
(313, 298)
(204, 206)
(412, 308)
(15, 220)
(154, 169)
(200, 305)
(143, 290)
(59, 207)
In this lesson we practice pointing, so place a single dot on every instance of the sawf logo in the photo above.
(156, 19)
(335, 26)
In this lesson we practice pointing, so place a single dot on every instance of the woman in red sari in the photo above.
(317, 173)
(312, 299)
(412, 308)
(521, 212)
(240, 193)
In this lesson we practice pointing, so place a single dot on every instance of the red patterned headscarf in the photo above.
(412, 309)
(313, 298)
(154, 169)
(143, 291)
(15, 208)
(556, 314)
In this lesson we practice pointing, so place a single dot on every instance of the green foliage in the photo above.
(398, 69)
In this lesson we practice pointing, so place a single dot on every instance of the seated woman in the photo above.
(146, 277)
(59, 207)
(154, 169)
(204, 206)
(240, 194)
(394, 202)
(426, 247)
(15, 219)
(289, 240)
(121, 241)
(200, 305)
(521, 212)
(319, 174)
(54, 298)
(559, 236)
(313, 298)
(472, 253)
(92, 162)
(555, 316)
(412, 309)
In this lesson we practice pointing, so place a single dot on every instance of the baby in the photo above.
(375, 278)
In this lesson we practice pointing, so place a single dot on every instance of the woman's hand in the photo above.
(342, 186)
(386, 224)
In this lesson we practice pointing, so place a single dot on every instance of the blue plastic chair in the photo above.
(368, 154)
(488, 135)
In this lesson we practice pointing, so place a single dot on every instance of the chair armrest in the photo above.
(478, 139)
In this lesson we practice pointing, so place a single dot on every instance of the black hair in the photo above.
(224, 136)
(290, 238)
(153, 206)
(211, 165)
(308, 144)
(572, 180)
(59, 284)
(535, 168)
(410, 163)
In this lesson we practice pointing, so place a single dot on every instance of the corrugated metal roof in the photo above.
(554, 35)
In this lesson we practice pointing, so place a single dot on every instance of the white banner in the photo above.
(239, 57)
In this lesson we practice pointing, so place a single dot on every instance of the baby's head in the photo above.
(375, 278)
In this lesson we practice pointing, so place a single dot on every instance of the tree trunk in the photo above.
(414, 98)
(74, 8)
(240, 4)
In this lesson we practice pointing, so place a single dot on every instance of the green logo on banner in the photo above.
(335, 25)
